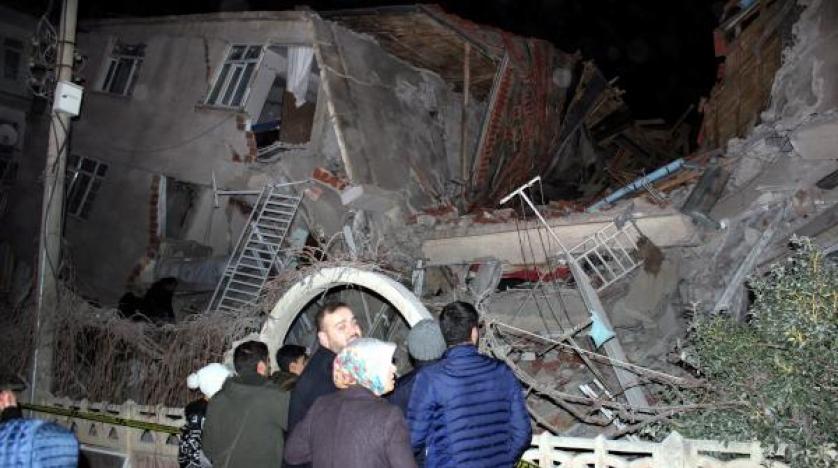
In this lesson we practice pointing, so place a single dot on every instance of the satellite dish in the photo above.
(8, 135)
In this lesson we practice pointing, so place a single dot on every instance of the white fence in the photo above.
(147, 448)
(674, 452)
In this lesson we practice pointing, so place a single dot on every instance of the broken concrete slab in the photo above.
(817, 139)
(369, 197)
(665, 227)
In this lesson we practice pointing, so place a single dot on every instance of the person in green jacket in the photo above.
(247, 418)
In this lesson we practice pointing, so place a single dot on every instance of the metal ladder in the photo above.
(608, 255)
(607, 239)
(258, 251)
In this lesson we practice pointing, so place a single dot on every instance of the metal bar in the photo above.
(607, 266)
(103, 418)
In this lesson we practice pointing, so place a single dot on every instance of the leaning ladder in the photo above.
(258, 251)
(629, 381)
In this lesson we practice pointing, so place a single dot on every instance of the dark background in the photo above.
(662, 51)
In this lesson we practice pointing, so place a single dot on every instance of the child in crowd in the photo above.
(209, 380)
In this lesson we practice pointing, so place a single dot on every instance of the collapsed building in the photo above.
(312, 152)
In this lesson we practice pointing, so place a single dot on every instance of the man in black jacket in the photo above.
(247, 418)
(336, 327)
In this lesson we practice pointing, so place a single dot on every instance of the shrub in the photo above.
(781, 368)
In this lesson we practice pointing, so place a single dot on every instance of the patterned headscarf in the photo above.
(367, 361)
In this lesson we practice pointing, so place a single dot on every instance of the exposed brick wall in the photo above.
(153, 237)
(326, 177)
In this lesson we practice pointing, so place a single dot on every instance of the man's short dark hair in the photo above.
(248, 355)
(328, 308)
(289, 354)
(456, 321)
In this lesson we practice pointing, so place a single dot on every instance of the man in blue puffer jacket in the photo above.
(467, 410)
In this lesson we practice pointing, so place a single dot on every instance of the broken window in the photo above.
(286, 87)
(123, 67)
(84, 179)
(12, 54)
(233, 80)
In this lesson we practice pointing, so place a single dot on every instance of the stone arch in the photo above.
(279, 321)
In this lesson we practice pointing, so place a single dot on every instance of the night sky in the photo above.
(662, 51)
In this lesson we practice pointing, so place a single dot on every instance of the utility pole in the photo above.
(52, 215)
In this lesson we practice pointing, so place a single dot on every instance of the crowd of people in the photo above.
(341, 407)
(344, 406)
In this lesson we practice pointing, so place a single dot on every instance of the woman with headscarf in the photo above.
(355, 427)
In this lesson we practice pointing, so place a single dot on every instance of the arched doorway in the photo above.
(384, 308)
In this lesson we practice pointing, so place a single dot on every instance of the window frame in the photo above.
(16, 46)
(119, 54)
(221, 84)
(75, 168)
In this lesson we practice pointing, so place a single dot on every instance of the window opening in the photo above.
(282, 124)
(233, 80)
(84, 179)
(12, 54)
(181, 198)
(123, 67)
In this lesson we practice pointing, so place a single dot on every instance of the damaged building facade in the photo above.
(429, 114)
(406, 139)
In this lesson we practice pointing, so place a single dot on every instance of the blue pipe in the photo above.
(658, 174)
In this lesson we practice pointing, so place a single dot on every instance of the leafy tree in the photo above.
(780, 369)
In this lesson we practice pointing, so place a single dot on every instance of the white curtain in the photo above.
(299, 64)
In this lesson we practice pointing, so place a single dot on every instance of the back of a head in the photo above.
(456, 321)
(248, 355)
(425, 341)
(328, 308)
(37, 443)
(289, 354)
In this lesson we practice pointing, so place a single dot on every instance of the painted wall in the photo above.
(414, 148)
(164, 129)
(404, 131)
(20, 220)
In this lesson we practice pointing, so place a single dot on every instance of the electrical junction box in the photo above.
(67, 98)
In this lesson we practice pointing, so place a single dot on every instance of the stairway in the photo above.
(258, 251)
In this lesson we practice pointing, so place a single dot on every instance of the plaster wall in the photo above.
(414, 113)
(164, 129)
(806, 82)
(21, 216)
(20, 27)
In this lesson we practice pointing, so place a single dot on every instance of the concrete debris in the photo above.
(406, 176)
